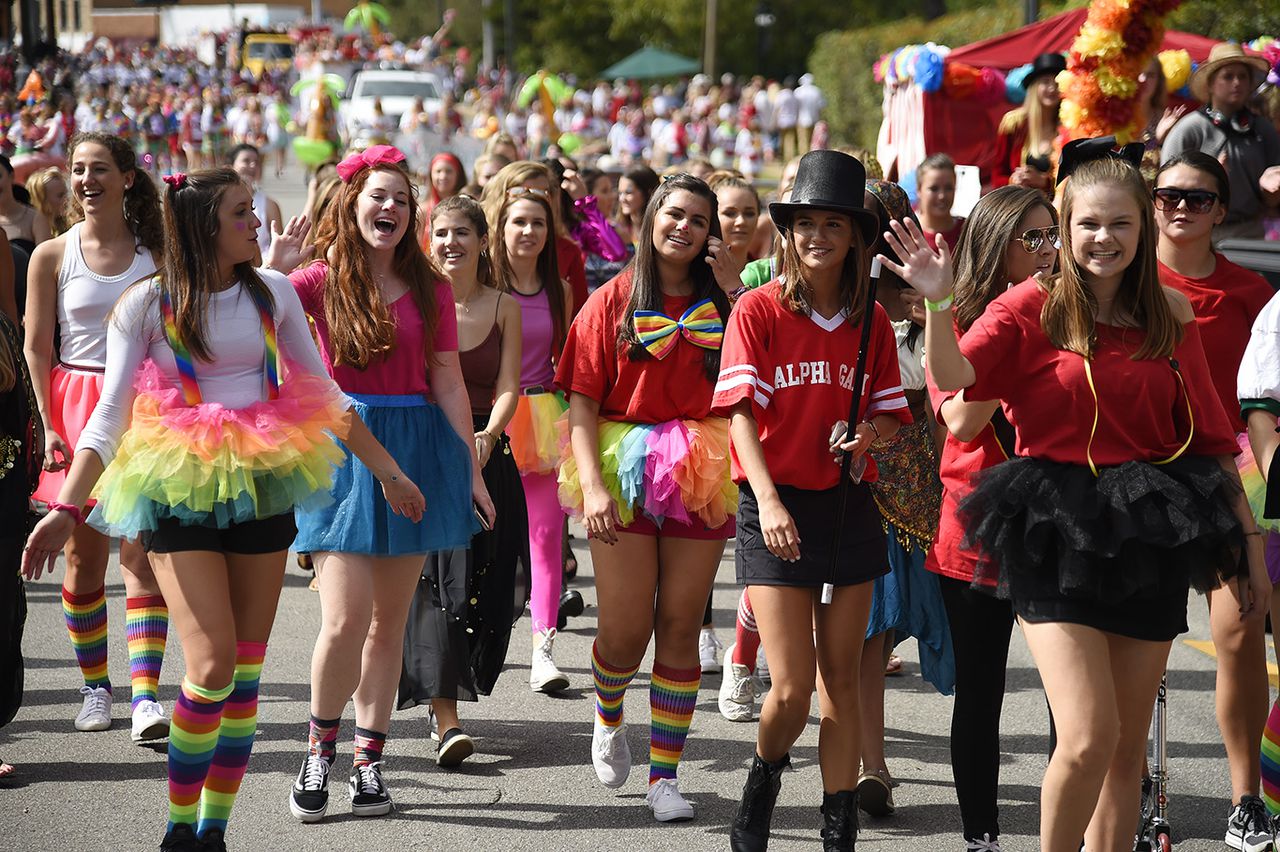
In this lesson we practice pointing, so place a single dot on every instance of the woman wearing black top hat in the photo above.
(1025, 140)
(787, 373)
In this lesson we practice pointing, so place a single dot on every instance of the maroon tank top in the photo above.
(480, 371)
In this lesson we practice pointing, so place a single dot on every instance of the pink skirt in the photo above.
(75, 394)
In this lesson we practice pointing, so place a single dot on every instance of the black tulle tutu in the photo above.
(1047, 530)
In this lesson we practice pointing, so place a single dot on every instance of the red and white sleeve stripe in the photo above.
(745, 376)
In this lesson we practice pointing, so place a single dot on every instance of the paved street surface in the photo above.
(531, 786)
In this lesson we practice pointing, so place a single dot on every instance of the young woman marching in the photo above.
(230, 429)
(1123, 493)
(786, 379)
(468, 599)
(522, 224)
(74, 280)
(388, 333)
(1191, 197)
(649, 475)
(1012, 236)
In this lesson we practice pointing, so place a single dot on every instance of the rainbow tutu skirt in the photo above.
(1255, 487)
(535, 437)
(678, 469)
(213, 466)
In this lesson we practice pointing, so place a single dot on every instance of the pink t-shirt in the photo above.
(404, 370)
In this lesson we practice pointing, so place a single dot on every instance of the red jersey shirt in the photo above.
(1226, 304)
(573, 268)
(644, 391)
(1143, 412)
(797, 372)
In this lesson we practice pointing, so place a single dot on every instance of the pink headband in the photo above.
(375, 155)
(177, 180)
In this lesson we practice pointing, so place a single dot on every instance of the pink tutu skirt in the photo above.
(74, 394)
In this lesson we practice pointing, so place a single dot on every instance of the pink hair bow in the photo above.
(374, 155)
(177, 180)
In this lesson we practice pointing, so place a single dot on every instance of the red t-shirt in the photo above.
(573, 268)
(645, 391)
(1142, 411)
(797, 371)
(404, 369)
(950, 236)
(1226, 304)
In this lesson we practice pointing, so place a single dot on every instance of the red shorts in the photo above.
(671, 528)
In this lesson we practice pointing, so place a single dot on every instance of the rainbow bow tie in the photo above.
(701, 325)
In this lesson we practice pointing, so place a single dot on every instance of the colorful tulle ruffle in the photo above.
(535, 438)
(678, 469)
(214, 466)
(1255, 487)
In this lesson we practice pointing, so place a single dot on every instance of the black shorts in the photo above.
(267, 535)
(863, 549)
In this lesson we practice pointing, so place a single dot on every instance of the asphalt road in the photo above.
(531, 786)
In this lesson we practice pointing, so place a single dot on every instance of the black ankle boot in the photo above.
(750, 830)
(840, 821)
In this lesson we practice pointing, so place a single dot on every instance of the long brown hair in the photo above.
(646, 285)
(141, 200)
(855, 276)
(1069, 314)
(361, 328)
(494, 196)
(981, 273)
(471, 209)
(548, 267)
(189, 270)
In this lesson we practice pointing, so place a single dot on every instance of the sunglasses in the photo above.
(521, 191)
(1168, 199)
(1033, 238)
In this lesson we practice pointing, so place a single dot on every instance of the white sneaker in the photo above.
(95, 715)
(738, 691)
(610, 754)
(149, 722)
(762, 667)
(665, 801)
(543, 674)
(709, 649)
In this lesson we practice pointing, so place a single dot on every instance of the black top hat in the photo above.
(828, 180)
(1077, 152)
(1046, 63)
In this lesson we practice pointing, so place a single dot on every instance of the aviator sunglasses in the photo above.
(1033, 238)
(1167, 198)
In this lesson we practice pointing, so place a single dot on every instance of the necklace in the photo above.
(465, 302)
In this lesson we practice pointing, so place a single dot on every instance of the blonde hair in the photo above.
(38, 186)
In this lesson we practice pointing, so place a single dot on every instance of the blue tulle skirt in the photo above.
(908, 600)
(359, 520)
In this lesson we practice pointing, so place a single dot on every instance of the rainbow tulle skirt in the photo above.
(213, 466)
(535, 437)
(678, 469)
(1255, 487)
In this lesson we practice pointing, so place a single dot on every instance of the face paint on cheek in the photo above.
(240, 226)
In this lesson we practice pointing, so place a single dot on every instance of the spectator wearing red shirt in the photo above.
(1123, 492)
(1008, 240)
(787, 377)
(1191, 198)
(936, 186)
(649, 472)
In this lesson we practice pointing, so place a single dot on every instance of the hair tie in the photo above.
(375, 155)
(177, 180)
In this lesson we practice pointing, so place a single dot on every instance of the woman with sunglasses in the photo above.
(1123, 493)
(1011, 236)
(525, 265)
(1191, 197)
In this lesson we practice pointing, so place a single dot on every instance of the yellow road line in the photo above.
(1206, 647)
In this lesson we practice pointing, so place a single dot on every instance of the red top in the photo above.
(404, 369)
(797, 371)
(1008, 155)
(1141, 410)
(1226, 304)
(951, 236)
(645, 391)
(573, 268)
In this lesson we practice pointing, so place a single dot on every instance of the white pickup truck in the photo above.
(397, 91)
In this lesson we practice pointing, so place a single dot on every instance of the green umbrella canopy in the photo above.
(649, 63)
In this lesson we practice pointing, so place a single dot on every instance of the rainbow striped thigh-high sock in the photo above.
(235, 740)
(193, 737)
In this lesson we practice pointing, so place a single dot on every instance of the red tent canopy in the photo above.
(1054, 35)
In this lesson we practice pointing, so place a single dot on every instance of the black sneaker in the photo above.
(1249, 827)
(181, 838)
(310, 797)
(454, 748)
(213, 840)
(369, 796)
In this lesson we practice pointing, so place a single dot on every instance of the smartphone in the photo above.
(484, 522)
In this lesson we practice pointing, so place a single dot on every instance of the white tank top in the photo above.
(264, 227)
(85, 298)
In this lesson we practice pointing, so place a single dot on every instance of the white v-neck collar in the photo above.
(826, 324)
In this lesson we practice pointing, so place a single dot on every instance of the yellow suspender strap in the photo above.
(1093, 431)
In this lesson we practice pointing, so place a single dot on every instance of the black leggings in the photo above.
(981, 627)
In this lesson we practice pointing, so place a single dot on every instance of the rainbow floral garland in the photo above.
(1100, 86)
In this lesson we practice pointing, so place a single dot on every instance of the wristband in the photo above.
(940, 305)
(73, 511)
